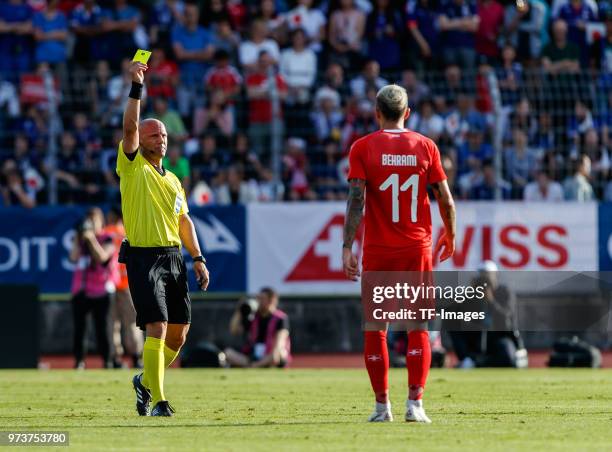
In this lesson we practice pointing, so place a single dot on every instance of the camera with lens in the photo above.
(84, 225)
(247, 308)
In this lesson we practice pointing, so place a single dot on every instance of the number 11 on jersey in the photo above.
(393, 182)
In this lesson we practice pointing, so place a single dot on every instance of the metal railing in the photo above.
(563, 118)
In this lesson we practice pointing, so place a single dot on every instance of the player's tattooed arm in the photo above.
(354, 211)
(446, 206)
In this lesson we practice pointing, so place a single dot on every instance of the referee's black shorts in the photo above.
(158, 285)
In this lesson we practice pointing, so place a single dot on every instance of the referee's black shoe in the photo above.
(143, 396)
(162, 408)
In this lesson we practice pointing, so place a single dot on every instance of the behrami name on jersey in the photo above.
(399, 160)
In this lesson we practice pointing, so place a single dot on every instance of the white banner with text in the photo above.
(297, 248)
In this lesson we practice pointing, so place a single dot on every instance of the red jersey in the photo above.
(397, 166)
(225, 79)
(159, 79)
(491, 21)
(260, 110)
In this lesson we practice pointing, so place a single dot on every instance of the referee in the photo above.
(156, 222)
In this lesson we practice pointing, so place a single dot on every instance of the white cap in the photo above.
(326, 92)
(487, 266)
(296, 142)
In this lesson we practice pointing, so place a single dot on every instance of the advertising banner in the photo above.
(605, 237)
(296, 248)
(35, 244)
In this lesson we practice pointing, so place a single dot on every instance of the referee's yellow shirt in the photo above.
(151, 203)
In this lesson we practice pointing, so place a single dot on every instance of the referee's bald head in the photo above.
(146, 125)
(153, 137)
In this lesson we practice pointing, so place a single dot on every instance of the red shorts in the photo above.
(418, 260)
(414, 268)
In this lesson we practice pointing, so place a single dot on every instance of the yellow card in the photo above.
(142, 56)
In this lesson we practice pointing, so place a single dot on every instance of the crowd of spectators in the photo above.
(218, 66)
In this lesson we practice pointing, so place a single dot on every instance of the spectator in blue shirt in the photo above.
(120, 24)
(580, 122)
(193, 48)
(545, 137)
(422, 27)
(164, 15)
(463, 118)
(510, 77)
(51, 34)
(520, 162)
(472, 150)
(526, 28)
(15, 38)
(86, 23)
(33, 125)
(485, 191)
(68, 165)
(324, 170)
(459, 23)
(383, 28)
(576, 14)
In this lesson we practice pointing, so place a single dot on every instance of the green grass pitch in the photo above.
(277, 410)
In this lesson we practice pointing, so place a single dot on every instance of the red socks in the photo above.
(376, 358)
(418, 361)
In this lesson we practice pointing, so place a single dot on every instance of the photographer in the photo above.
(92, 283)
(240, 323)
(499, 343)
(504, 345)
(265, 331)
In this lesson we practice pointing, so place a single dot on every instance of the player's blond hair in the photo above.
(392, 101)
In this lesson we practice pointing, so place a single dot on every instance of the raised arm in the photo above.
(420, 40)
(354, 214)
(131, 116)
(446, 206)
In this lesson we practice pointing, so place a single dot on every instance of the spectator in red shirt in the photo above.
(162, 75)
(491, 15)
(223, 76)
(259, 93)
(296, 172)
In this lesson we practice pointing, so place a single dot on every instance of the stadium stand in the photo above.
(518, 98)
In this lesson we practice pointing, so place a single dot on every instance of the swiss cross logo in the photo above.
(343, 168)
(415, 352)
(374, 358)
(322, 260)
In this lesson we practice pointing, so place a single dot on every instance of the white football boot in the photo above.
(382, 413)
(415, 412)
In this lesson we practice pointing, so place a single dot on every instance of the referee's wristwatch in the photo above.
(199, 258)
